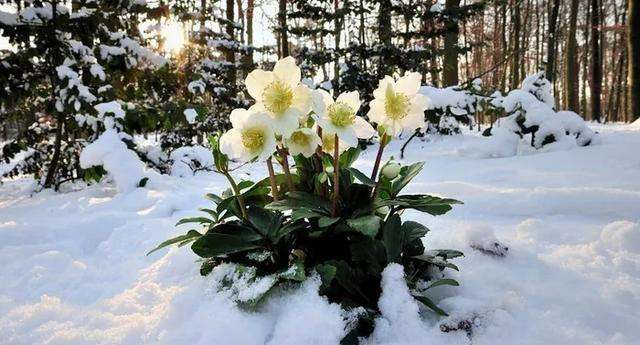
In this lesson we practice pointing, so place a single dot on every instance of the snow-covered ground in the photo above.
(73, 268)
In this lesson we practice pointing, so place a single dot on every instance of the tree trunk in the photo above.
(450, 60)
(571, 63)
(230, 54)
(596, 64)
(384, 34)
(516, 60)
(282, 21)
(248, 62)
(338, 29)
(551, 50)
(52, 170)
(634, 60)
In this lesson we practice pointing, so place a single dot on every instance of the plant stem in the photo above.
(236, 192)
(285, 167)
(272, 180)
(383, 143)
(336, 176)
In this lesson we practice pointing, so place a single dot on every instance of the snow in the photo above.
(188, 159)
(121, 163)
(74, 271)
(190, 114)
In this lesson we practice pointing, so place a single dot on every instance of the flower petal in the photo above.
(352, 99)
(257, 81)
(231, 143)
(409, 84)
(320, 100)
(287, 123)
(376, 111)
(302, 99)
(363, 129)
(348, 136)
(238, 117)
(379, 93)
(287, 71)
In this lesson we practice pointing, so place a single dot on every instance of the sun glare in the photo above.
(174, 37)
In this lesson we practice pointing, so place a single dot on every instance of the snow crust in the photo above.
(73, 268)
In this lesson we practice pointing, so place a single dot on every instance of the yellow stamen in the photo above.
(277, 97)
(396, 104)
(300, 138)
(341, 114)
(252, 139)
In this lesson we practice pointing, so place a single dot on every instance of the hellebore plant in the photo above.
(321, 215)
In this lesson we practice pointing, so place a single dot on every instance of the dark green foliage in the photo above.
(298, 236)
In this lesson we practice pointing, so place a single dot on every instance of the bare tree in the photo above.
(571, 63)
(634, 59)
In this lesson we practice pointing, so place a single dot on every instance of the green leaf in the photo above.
(446, 253)
(368, 225)
(200, 220)
(285, 230)
(413, 231)
(213, 198)
(425, 203)
(324, 222)
(266, 222)
(143, 182)
(348, 157)
(245, 184)
(191, 235)
(429, 303)
(435, 260)
(295, 272)
(392, 237)
(301, 200)
(447, 281)
(407, 173)
(327, 273)
(214, 244)
(360, 176)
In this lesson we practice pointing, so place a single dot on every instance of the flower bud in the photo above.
(391, 170)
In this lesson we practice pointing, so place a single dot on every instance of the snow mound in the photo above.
(189, 159)
(122, 164)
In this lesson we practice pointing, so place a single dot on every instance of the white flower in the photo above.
(251, 136)
(339, 116)
(280, 94)
(397, 105)
(303, 141)
(328, 143)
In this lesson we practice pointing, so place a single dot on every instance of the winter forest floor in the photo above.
(73, 268)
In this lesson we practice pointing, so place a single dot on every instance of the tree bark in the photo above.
(282, 21)
(515, 53)
(571, 63)
(634, 60)
(450, 59)
(338, 29)
(596, 64)
(384, 34)
(230, 55)
(551, 44)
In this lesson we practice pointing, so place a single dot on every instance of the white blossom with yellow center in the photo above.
(280, 94)
(328, 141)
(397, 105)
(251, 137)
(303, 141)
(339, 116)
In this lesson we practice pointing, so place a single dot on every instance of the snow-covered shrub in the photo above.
(109, 152)
(451, 106)
(189, 159)
(530, 111)
(324, 218)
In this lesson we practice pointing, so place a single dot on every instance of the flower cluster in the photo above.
(321, 216)
(290, 117)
